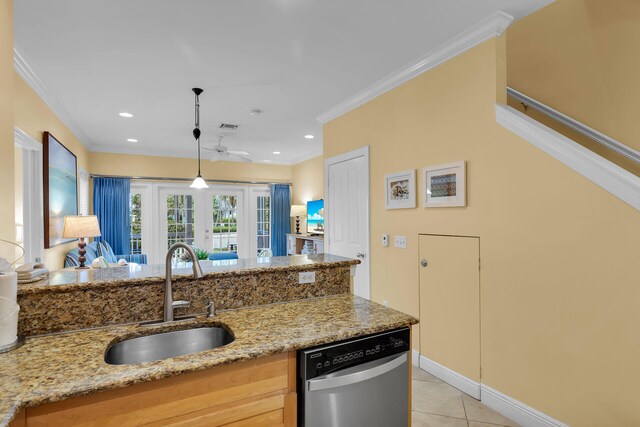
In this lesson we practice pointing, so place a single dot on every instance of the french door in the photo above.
(218, 219)
(225, 225)
(178, 213)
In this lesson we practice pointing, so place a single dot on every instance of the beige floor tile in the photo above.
(421, 375)
(476, 411)
(421, 419)
(437, 398)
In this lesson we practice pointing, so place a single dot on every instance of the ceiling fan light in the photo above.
(199, 183)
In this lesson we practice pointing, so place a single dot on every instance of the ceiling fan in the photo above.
(221, 153)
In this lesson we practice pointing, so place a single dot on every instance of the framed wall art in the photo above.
(400, 190)
(60, 189)
(444, 185)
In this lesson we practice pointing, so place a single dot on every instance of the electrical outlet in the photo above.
(307, 277)
(401, 242)
(385, 303)
(385, 240)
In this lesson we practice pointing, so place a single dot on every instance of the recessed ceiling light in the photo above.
(125, 114)
(276, 152)
(255, 112)
(308, 137)
(132, 140)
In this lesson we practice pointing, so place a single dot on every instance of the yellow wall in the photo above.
(155, 166)
(581, 58)
(559, 288)
(34, 117)
(308, 184)
(7, 229)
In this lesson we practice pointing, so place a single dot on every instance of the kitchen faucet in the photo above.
(169, 303)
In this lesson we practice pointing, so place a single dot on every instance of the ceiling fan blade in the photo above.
(238, 153)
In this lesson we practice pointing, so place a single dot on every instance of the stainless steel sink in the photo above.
(166, 345)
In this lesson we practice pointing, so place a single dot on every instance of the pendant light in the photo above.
(199, 182)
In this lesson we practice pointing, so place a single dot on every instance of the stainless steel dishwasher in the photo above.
(361, 382)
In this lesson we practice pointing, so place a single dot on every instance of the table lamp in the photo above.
(79, 227)
(297, 211)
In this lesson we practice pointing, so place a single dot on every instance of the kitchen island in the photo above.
(62, 367)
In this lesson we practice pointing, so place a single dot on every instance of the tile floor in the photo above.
(437, 404)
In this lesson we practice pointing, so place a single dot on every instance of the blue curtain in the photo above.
(111, 205)
(280, 220)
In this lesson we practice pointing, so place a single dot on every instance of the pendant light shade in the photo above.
(198, 182)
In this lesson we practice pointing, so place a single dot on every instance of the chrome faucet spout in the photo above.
(169, 303)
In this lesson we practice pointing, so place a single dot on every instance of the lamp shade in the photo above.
(199, 183)
(298, 210)
(76, 226)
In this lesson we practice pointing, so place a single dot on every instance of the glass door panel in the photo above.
(180, 224)
(224, 223)
(135, 212)
(263, 224)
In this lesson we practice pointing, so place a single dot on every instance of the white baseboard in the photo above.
(511, 408)
(415, 358)
(462, 383)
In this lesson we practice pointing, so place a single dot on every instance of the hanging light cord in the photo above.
(198, 127)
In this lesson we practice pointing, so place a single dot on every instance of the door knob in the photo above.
(424, 263)
(360, 255)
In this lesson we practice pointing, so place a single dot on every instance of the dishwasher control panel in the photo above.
(326, 359)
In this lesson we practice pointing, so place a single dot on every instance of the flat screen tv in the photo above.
(315, 217)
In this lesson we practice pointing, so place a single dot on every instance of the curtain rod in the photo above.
(161, 178)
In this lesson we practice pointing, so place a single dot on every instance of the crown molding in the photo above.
(24, 70)
(611, 177)
(493, 26)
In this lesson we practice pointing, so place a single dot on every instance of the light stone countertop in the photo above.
(60, 366)
(63, 280)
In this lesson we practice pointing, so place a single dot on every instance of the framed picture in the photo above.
(60, 189)
(444, 185)
(400, 190)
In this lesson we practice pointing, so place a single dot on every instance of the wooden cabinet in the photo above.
(259, 392)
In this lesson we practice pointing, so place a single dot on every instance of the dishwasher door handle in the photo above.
(356, 377)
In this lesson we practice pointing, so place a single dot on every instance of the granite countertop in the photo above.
(117, 276)
(56, 367)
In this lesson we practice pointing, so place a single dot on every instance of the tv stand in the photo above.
(295, 243)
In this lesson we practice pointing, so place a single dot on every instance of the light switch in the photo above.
(385, 240)
(401, 242)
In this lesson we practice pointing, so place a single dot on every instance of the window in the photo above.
(224, 223)
(135, 213)
(263, 222)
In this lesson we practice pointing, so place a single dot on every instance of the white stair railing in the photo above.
(611, 177)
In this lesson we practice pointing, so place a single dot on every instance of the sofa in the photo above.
(221, 256)
(97, 249)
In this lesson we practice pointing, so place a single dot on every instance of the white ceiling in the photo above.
(293, 59)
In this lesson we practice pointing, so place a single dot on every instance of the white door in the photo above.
(226, 225)
(260, 219)
(347, 212)
(178, 216)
